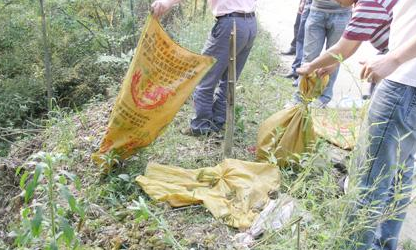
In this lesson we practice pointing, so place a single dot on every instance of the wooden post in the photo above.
(232, 79)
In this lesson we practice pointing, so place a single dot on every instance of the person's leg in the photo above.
(335, 27)
(314, 39)
(299, 41)
(246, 33)
(217, 46)
(392, 141)
(295, 31)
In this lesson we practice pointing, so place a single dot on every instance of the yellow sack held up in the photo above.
(234, 191)
(160, 78)
(289, 131)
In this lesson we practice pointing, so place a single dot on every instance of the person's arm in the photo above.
(160, 7)
(383, 66)
(343, 47)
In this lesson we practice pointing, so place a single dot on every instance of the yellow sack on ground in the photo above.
(340, 127)
(160, 78)
(289, 131)
(234, 191)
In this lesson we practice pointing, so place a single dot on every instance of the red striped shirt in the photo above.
(371, 21)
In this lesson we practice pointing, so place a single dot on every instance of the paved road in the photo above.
(277, 17)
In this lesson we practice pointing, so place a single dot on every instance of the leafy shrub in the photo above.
(21, 97)
(79, 33)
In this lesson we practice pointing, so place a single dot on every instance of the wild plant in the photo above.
(45, 220)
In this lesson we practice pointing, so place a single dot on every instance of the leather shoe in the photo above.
(197, 132)
(366, 97)
(291, 75)
(295, 83)
(289, 52)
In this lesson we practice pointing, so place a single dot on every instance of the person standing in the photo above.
(292, 50)
(300, 37)
(325, 25)
(210, 96)
(387, 178)
(370, 21)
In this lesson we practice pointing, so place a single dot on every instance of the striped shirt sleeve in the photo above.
(369, 18)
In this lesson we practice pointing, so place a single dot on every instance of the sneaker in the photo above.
(295, 83)
(366, 97)
(291, 75)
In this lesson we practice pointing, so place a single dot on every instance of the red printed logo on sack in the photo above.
(152, 96)
(106, 145)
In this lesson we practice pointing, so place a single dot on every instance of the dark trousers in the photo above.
(293, 44)
(300, 37)
(210, 96)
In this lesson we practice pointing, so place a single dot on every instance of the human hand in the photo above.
(375, 70)
(321, 72)
(305, 69)
(160, 7)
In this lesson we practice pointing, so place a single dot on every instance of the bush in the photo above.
(79, 33)
(20, 99)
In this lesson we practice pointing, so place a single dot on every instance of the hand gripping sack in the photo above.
(160, 78)
(289, 132)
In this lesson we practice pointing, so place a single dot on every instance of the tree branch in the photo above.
(85, 26)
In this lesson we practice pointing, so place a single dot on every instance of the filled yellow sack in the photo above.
(289, 131)
(160, 78)
(234, 191)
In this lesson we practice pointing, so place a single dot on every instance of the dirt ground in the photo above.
(278, 17)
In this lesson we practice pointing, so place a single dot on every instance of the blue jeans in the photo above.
(323, 27)
(388, 165)
(299, 39)
(210, 96)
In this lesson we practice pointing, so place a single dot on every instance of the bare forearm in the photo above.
(343, 47)
(326, 58)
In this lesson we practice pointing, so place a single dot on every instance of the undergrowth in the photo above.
(112, 212)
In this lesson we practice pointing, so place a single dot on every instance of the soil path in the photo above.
(277, 17)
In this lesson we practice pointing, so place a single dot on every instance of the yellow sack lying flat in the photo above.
(234, 191)
(160, 78)
(340, 127)
(290, 131)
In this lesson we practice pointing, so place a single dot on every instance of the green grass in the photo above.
(409, 245)
(260, 93)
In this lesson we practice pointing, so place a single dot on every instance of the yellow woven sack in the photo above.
(160, 78)
(289, 131)
(234, 191)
